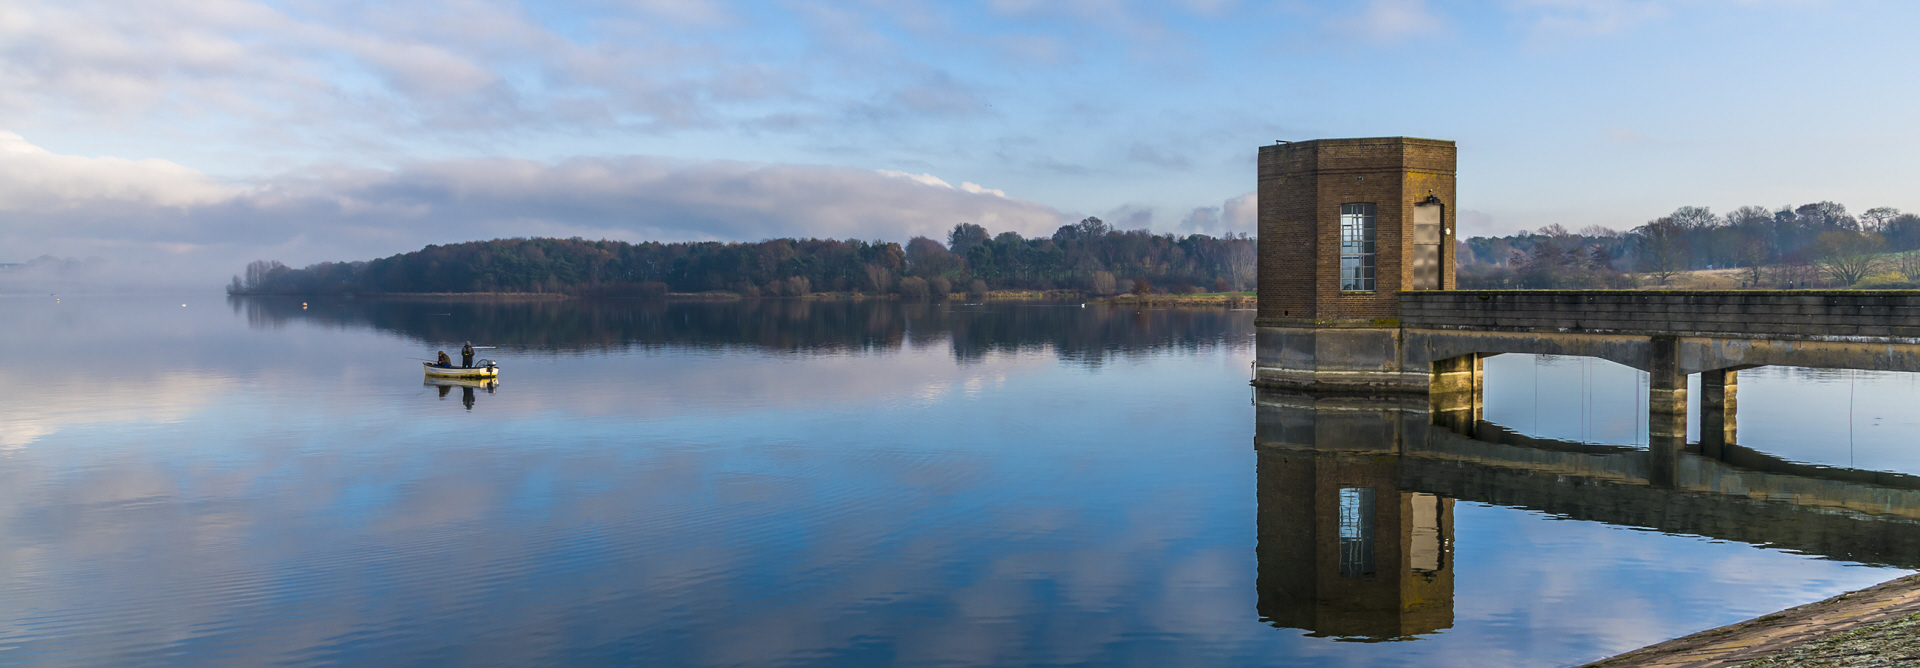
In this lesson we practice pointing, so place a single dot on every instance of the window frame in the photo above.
(1357, 514)
(1359, 247)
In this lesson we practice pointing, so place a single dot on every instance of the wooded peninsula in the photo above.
(1089, 256)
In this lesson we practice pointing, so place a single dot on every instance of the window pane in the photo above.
(1429, 544)
(1356, 532)
(1357, 247)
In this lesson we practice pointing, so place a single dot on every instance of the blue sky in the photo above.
(190, 134)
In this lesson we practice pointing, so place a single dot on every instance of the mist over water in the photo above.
(244, 482)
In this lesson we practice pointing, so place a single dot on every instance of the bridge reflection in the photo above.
(1356, 499)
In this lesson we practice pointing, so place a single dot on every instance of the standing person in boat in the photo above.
(466, 356)
(444, 360)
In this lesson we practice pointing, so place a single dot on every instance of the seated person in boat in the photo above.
(444, 360)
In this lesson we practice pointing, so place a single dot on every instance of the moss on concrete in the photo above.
(1883, 645)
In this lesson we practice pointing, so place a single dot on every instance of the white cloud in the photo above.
(1388, 21)
(929, 179)
(155, 216)
(1587, 17)
(689, 12)
(969, 186)
(1234, 216)
(33, 179)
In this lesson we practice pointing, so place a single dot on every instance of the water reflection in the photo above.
(1356, 499)
(253, 495)
(1076, 332)
(1344, 549)
(467, 387)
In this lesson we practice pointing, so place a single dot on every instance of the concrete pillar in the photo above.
(1454, 395)
(1666, 385)
(1719, 399)
(1666, 410)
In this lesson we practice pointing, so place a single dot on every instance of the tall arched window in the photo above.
(1356, 248)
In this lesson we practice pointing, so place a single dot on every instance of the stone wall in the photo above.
(1777, 314)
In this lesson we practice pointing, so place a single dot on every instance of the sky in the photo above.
(176, 141)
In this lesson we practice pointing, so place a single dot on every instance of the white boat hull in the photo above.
(459, 372)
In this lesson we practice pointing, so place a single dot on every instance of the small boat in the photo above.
(488, 370)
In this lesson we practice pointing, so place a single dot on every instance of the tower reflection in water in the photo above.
(1356, 499)
(1343, 551)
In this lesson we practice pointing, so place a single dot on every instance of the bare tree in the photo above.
(1908, 264)
(261, 271)
(879, 279)
(1659, 248)
(1101, 283)
(1826, 216)
(1694, 217)
(1753, 258)
(1242, 261)
(1847, 256)
(1876, 219)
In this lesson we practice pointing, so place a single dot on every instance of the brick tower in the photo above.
(1346, 224)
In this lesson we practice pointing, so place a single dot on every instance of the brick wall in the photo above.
(1301, 188)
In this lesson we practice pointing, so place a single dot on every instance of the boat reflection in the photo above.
(466, 385)
(1356, 499)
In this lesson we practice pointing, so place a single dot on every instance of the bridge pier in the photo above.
(1666, 381)
(1455, 394)
(1666, 410)
(1719, 401)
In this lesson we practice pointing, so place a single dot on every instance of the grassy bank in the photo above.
(1225, 299)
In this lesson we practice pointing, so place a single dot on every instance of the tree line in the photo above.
(1811, 245)
(1088, 256)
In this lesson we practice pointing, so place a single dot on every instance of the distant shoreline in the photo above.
(424, 296)
(1232, 300)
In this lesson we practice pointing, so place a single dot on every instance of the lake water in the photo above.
(191, 480)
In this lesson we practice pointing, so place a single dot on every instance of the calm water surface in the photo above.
(789, 483)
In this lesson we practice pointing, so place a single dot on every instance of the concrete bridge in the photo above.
(1357, 295)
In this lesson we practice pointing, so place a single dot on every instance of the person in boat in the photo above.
(466, 356)
(444, 361)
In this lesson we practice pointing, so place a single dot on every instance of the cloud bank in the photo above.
(161, 223)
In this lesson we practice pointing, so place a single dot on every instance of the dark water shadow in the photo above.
(1087, 334)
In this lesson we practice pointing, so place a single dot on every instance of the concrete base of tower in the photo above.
(1337, 359)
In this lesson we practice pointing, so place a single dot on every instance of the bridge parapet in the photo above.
(1822, 315)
